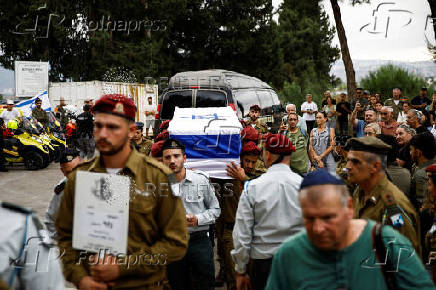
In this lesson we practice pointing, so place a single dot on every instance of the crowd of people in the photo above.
(341, 197)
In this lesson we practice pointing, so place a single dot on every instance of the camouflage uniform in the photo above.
(40, 115)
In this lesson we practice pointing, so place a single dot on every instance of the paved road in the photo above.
(33, 189)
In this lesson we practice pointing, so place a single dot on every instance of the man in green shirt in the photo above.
(38, 113)
(336, 251)
(299, 159)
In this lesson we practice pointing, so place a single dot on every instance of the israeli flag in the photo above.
(28, 105)
(211, 137)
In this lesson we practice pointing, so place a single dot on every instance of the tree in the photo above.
(388, 77)
(346, 57)
(305, 37)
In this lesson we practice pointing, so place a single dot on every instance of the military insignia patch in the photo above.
(119, 108)
(397, 220)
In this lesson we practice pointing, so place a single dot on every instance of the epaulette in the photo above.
(159, 165)
(388, 199)
(16, 208)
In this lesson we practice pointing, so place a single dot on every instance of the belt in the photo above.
(229, 226)
(199, 234)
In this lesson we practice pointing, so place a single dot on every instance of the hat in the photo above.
(156, 149)
(368, 144)
(139, 125)
(9, 102)
(320, 177)
(250, 148)
(115, 104)
(279, 144)
(250, 134)
(172, 144)
(255, 107)
(162, 136)
(68, 155)
(38, 100)
(164, 125)
(431, 169)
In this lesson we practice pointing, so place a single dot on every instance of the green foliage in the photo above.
(388, 77)
(293, 94)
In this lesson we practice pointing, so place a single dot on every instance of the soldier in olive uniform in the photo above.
(152, 231)
(38, 113)
(376, 197)
(422, 151)
(430, 238)
(254, 120)
(61, 113)
(229, 203)
(142, 144)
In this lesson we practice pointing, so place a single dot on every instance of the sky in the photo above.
(385, 30)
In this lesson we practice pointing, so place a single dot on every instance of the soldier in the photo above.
(85, 139)
(29, 259)
(152, 230)
(142, 144)
(61, 113)
(422, 151)
(249, 155)
(430, 238)
(254, 122)
(68, 160)
(202, 209)
(268, 214)
(376, 197)
(38, 113)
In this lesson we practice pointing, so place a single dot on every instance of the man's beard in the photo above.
(114, 150)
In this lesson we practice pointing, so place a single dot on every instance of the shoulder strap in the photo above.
(382, 258)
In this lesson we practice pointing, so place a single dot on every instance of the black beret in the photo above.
(173, 144)
(320, 177)
(68, 155)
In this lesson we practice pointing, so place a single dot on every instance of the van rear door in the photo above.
(173, 99)
(210, 98)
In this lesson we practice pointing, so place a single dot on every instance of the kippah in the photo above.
(320, 177)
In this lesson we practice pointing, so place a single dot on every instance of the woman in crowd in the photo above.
(403, 113)
(330, 109)
(372, 129)
(322, 143)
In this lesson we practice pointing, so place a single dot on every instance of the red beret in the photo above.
(431, 168)
(255, 107)
(164, 125)
(156, 149)
(279, 144)
(115, 104)
(162, 136)
(250, 148)
(250, 134)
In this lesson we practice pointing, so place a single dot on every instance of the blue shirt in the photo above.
(359, 128)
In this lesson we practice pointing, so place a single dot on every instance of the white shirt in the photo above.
(396, 102)
(305, 107)
(268, 214)
(9, 115)
(150, 108)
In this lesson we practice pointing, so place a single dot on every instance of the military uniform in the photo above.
(144, 146)
(419, 181)
(40, 115)
(229, 205)
(61, 114)
(261, 127)
(388, 205)
(157, 224)
(397, 108)
(29, 259)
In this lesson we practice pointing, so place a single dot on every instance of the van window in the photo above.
(246, 98)
(265, 99)
(173, 99)
(210, 98)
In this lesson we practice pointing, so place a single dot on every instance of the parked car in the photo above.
(215, 88)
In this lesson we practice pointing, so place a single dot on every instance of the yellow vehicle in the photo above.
(24, 147)
(37, 130)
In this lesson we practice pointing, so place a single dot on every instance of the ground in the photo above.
(32, 189)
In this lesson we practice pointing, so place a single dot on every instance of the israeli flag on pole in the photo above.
(28, 105)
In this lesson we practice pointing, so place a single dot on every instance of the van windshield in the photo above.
(173, 99)
(210, 98)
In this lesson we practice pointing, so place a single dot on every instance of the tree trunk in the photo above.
(348, 63)
(432, 4)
